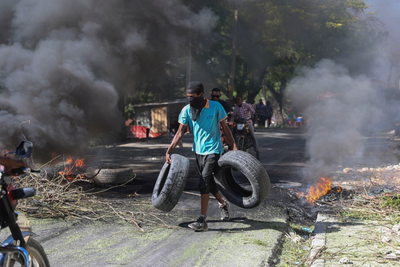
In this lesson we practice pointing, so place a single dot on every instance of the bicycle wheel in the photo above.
(37, 255)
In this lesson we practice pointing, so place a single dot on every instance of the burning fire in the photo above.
(321, 189)
(72, 168)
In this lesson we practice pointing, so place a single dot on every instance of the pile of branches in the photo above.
(57, 197)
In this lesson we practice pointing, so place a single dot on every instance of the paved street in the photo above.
(251, 238)
(252, 234)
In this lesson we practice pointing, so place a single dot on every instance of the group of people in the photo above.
(264, 113)
(294, 121)
(242, 110)
(206, 118)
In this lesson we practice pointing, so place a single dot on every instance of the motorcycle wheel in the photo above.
(249, 143)
(241, 143)
(37, 255)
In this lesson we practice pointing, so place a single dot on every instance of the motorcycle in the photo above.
(19, 249)
(242, 135)
(231, 126)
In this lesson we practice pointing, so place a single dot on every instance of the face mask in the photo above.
(196, 102)
(196, 105)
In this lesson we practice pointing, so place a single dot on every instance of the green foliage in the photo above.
(129, 111)
(273, 38)
(391, 201)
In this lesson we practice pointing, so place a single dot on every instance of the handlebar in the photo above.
(20, 170)
(15, 167)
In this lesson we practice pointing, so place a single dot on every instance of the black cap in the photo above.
(195, 87)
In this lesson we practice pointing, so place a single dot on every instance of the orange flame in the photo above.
(71, 170)
(315, 192)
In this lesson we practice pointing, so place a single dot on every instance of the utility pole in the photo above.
(232, 76)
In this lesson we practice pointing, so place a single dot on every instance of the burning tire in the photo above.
(170, 183)
(113, 176)
(242, 179)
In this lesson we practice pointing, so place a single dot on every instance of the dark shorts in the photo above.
(207, 165)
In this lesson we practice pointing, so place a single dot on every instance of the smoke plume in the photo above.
(65, 64)
(339, 108)
(343, 106)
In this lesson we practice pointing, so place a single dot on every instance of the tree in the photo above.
(287, 34)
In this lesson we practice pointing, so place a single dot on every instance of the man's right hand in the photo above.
(168, 158)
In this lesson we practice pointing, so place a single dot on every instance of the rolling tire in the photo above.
(170, 183)
(254, 172)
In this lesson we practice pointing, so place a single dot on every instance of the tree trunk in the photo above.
(232, 76)
(278, 97)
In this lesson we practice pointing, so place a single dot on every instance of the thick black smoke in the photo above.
(64, 64)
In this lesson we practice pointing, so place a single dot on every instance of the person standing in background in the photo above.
(268, 112)
(291, 118)
(216, 96)
(246, 111)
(260, 113)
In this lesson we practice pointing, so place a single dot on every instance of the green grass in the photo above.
(391, 201)
(361, 215)
(293, 253)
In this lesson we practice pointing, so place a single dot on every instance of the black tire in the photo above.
(250, 187)
(249, 143)
(170, 183)
(112, 176)
(37, 255)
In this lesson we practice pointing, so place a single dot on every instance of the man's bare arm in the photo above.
(228, 134)
(181, 131)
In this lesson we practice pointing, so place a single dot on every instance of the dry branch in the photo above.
(58, 197)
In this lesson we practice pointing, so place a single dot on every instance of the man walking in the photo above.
(268, 113)
(245, 110)
(260, 113)
(204, 118)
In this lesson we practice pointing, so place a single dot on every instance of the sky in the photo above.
(388, 12)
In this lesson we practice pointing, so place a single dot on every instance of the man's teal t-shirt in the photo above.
(207, 136)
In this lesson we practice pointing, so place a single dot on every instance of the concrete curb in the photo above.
(319, 241)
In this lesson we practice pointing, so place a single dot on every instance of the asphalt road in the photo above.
(251, 238)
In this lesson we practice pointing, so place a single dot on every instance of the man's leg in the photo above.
(210, 168)
(223, 206)
(204, 203)
(255, 143)
(201, 223)
(268, 121)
